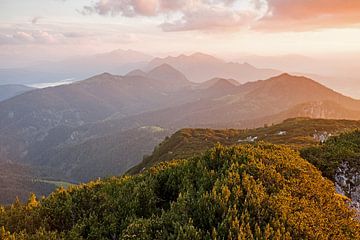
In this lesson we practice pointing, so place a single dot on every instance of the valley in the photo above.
(107, 124)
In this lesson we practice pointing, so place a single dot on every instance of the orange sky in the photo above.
(55, 29)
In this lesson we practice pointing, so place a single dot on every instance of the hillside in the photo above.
(98, 157)
(12, 90)
(251, 191)
(256, 103)
(297, 133)
(169, 76)
(98, 98)
(317, 109)
(200, 67)
(18, 181)
(339, 160)
(73, 132)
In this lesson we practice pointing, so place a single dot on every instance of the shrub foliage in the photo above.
(259, 191)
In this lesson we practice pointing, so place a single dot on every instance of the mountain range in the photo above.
(256, 103)
(197, 67)
(92, 128)
(200, 67)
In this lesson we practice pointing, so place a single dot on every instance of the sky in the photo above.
(36, 30)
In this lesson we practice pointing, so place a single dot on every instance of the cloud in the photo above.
(181, 15)
(58, 35)
(209, 19)
(77, 34)
(260, 15)
(30, 37)
(304, 15)
(128, 8)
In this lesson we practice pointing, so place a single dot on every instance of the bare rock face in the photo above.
(347, 183)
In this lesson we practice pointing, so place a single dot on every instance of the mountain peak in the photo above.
(168, 74)
(286, 80)
(164, 67)
(100, 77)
(124, 55)
(136, 72)
(204, 56)
(285, 75)
(217, 82)
(105, 74)
(221, 83)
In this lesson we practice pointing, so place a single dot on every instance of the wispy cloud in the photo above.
(181, 15)
(210, 19)
(133, 8)
(58, 34)
(30, 37)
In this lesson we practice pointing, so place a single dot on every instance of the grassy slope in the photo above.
(189, 142)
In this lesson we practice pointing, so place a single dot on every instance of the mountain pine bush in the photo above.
(258, 191)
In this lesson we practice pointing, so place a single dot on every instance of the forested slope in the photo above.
(260, 191)
(339, 160)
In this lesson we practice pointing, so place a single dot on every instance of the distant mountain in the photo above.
(340, 72)
(98, 98)
(254, 102)
(91, 128)
(11, 90)
(170, 77)
(136, 72)
(77, 68)
(214, 81)
(200, 67)
(123, 56)
(246, 106)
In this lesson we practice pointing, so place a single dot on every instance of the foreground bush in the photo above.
(245, 192)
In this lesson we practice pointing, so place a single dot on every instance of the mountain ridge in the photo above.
(67, 118)
(294, 132)
(200, 67)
